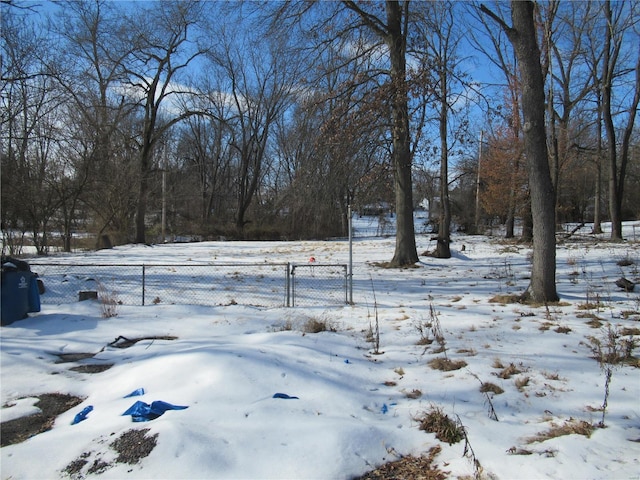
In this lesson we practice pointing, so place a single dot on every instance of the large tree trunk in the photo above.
(617, 163)
(145, 168)
(443, 249)
(597, 223)
(394, 35)
(615, 196)
(523, 38)
(406, 252)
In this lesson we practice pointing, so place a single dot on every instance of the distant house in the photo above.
(376, 209)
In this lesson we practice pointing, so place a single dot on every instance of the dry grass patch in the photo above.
(590, 306)
(445, 429)
(569, 427)
(630, 331)
(505, 299)
(317, 325)
(551, 376)
(594, 320)
(629, 314)
(467, 351)
(625, 262)
(488, 387)
(521, 383)
(413, 394)
(308, 325)
(409, 467)
(562, 330)
(447, 365)
(390, 265)
(509, 371)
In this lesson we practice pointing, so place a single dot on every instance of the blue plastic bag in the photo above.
(137, 392)
(284, 396)
(143, 412)
(82, 415)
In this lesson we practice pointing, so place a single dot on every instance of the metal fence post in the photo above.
(293, 285)
(350, 272)
(346, 286)
(143, 282)
(287, 283)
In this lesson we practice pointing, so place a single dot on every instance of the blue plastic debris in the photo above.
(385, 408)
(284, 396)
(143, 412)
(82, 415)
(135, 393)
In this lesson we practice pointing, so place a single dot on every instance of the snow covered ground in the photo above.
(355, 408)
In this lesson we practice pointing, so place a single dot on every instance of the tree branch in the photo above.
(507, 29)
(371, 20)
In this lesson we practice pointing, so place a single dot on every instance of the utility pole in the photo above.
(477, 219)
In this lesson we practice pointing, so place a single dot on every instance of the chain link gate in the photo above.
(313, 282)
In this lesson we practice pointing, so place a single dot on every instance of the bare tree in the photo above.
(619, 20)
(31, 118)
(440, 38)
(500, 53)
(522, 35)
(90, 71)
(392, 29)
(570, 82)
(162, 50)
(260, 82)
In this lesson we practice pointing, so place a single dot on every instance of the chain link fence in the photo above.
(316, 283)
(262, 285)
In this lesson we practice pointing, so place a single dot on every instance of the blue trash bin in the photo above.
(17, 295)
(34, 294)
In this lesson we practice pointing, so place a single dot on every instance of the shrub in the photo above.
(437, 422)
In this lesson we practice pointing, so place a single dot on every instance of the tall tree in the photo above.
(91, 72)
(522, 35)
(32, 114)
(392, 29)
(162, 50)
(440, 38)
(260, 85)
(569, 83)
(618, 22)
(499, 52)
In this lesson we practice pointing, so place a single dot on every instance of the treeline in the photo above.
(139, 120)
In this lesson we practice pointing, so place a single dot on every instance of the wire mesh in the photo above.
(64, 283)
(263, 284)
(318, 283)
(246, 284)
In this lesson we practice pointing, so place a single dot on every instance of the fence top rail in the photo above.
(318, 264)
(76, 264)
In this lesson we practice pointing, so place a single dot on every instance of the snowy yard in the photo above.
(358, 404)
